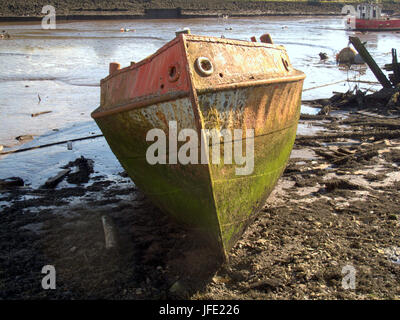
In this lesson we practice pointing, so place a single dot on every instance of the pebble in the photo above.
(262, 241)
(177, 288)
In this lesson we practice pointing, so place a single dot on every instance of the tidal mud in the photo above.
(337, 208)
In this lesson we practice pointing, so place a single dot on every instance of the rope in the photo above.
(325, 85)
(51, 144)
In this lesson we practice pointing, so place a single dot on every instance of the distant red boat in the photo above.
(369, 18)
(378, 25)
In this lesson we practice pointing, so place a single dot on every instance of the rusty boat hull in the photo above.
(252, 86)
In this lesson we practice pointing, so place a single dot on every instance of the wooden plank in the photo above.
(39, 113)
(388, 67)
(396, 68)
(380, 76)
(52, 182)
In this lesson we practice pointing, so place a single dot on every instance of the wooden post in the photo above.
(371, 62)
(396, 68)
(109, 232)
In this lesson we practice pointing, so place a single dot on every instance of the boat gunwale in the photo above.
(236, 42)
(297, 76)
(143, 102)
(191, 38)
(142, 62)
(139, 102)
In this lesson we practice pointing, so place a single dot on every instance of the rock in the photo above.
(178, 289)
(262, 241)
(346, 56)
(218, 279)
(138, 291)
(124, 174)
(323, 56)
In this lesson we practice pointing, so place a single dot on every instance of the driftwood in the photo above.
(54, 181)
(388, 125)
(39, 113)
(109, 232)
(378, 135)
(316, 117)
(366, 154)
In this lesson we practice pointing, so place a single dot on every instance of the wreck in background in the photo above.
(369, 17)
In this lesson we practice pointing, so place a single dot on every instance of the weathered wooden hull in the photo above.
(253, 86)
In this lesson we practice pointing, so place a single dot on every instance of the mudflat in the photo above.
(335, 207)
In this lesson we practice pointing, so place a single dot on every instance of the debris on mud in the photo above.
(54, 181)
(83, 167)
(39, 113)
(338, 208)
(385, 101)
(11, 182)
(323, 55)
(26, 137)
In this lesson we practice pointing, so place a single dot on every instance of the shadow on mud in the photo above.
(155, 258)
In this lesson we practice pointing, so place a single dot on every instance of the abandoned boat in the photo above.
(189, 87)
(369, 17)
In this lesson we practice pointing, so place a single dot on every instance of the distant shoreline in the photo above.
(30, 10)
(144, 17)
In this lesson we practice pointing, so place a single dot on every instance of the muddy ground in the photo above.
(20, 8)
(336, 206)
